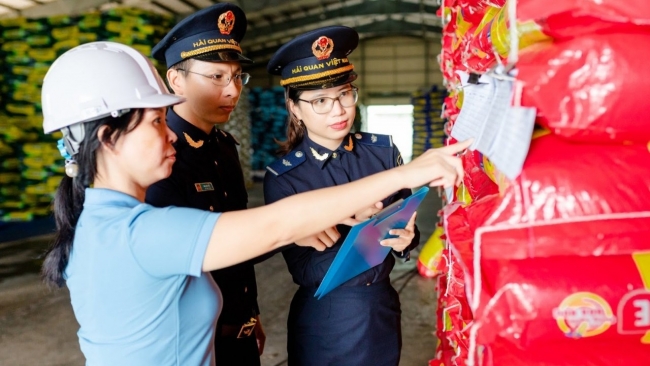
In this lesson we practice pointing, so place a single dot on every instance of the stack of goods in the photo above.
(137, 28)
(552, 267)
(9, 181)
(428, 124)
(239, 126)
(268, 124)
(31, 166)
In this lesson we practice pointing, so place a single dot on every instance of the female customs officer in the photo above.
(359, 322)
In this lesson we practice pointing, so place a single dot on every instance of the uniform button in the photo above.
(245, 289)
(368, 284)
(211, 208)
(334, 155)
(225, 194)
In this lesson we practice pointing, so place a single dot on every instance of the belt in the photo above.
(236, 331)
(366, 287)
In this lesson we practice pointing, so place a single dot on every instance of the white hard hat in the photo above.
(98, 79)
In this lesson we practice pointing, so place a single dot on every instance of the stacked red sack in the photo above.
(454, 313)
(556, 264)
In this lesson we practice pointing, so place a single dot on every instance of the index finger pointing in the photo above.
(457, 147)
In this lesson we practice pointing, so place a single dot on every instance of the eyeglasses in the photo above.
(222, 80)
(323, 105)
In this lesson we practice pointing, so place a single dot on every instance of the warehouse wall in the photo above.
(389, 68)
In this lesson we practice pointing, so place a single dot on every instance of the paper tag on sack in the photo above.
(510, 148)
(494, 116)
(501, 132)
(477, 101)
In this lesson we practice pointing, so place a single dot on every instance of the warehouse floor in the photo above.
(37, 326)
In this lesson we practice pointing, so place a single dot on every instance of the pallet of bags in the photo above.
(428, 123)
(268, 124)
(239, 125)
(10, 191)
(28, 49)
(140, 29)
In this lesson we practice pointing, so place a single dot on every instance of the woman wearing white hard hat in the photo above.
(136, 273)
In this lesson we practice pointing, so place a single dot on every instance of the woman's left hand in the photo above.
(406, 236)
(363, 215)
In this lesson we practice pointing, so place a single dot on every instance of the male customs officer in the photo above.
(204, 62)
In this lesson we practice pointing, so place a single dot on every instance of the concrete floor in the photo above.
(37, 326)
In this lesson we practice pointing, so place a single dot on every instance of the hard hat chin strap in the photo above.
(69, 147)
(73, 135)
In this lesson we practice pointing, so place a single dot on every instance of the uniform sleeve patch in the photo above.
(374, 139)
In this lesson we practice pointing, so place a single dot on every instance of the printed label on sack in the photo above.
(639, 299)
(634, 313)
(583, 314)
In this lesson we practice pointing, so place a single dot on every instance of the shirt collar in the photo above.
(321, 155)
(187, 132)
(102, 196)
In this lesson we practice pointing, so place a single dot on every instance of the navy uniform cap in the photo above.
(210, 34)
(317, 59)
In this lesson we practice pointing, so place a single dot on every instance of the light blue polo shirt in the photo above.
(136, 283)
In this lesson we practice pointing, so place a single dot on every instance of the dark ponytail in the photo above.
(295, 128)
(69, 198)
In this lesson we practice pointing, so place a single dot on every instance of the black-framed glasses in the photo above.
(322, 105)
(223, 80)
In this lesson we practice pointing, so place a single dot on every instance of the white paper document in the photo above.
(500, 131)
(472, 120)
(510, 148)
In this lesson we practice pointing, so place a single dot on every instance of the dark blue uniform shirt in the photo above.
(207, 175)
(310, 166)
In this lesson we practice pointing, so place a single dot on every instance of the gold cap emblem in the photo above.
(322, 47)
(226, 22)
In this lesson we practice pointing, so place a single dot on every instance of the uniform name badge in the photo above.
(247, 329)
(204, 187)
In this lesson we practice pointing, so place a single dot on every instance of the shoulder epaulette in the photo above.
(228, 136)
(286, 163)
(374, 139)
